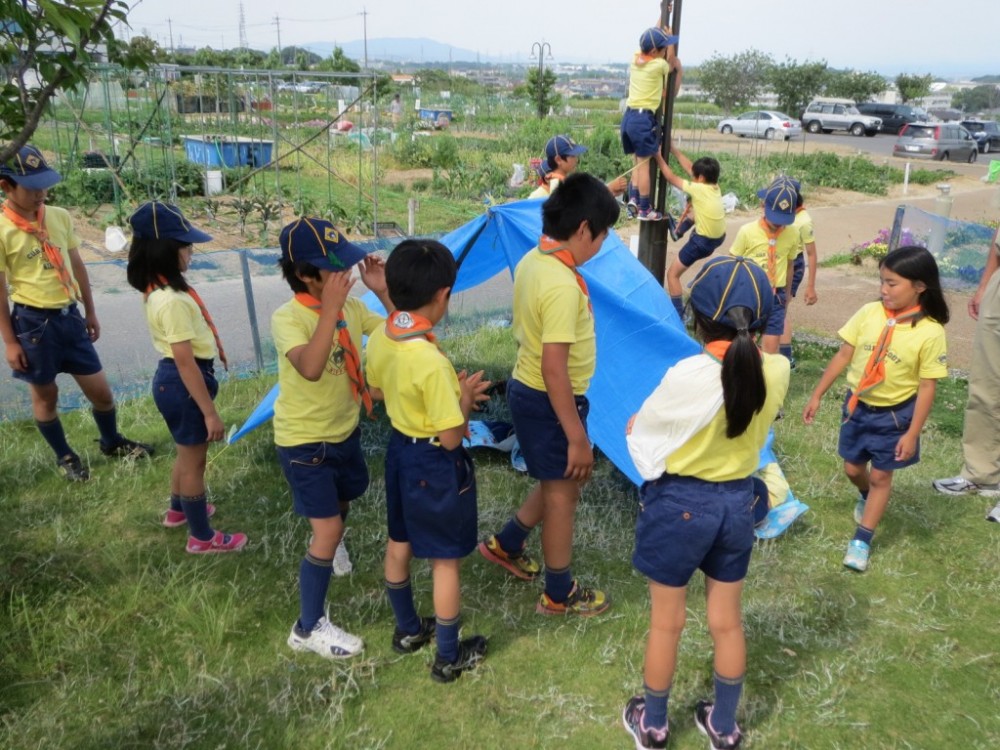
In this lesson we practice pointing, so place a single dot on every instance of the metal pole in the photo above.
(897, 227)
(251, 310)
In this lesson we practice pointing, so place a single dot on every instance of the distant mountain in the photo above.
(402, 50)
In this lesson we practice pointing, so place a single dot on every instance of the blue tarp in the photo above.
(638, 332)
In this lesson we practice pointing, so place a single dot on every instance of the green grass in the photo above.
(111, 636)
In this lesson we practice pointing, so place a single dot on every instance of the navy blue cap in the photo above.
(155, 220)
(780, 199)
(27, 168)
(795, 185)
(654, 38)
(320, 243)
(562, 145)
(728, 281)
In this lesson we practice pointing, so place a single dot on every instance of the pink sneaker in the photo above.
(175, 518)
(218, 543)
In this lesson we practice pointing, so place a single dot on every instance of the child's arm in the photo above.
(83, 281)
(12, 347)
(683, 160)
(837, 365)
(811, 263)
(907, 444)
(789, 273)
(992, 263)
(473, 391)
(373, 276)
(194, 381)
(668, 173)
(555, 374)
(310, 359)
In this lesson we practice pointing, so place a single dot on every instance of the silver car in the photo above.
(762, 124)
(939, 141)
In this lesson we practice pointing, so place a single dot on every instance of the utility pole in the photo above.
(281, 57)
(243, 29)
(364, 17)
(653, 234)
(170, 27)
(541, 47)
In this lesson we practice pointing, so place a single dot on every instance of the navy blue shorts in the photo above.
(53, 341)
(776, 319)
(872, 432)
(430, 497)
(542, 439)
(686, 524)
(698, 247)
(322, 475)
(181, 413)
(798, 272)
(640, 132)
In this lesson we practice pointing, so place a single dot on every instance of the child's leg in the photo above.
(447, 606)
(315, 569)
(95, 387)
(880, 488)
(640, 179)
(674, 288)
(44, 400)
(785, 343)
(725, 623)
(770, 343)
(189, 471)
(559, 500)
(666, 622)
(398, 587)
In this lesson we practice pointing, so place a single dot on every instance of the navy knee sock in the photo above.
(107, 425)
(643, 203)
(513, 535)
(175, 503)
(314, 580)
(196, 513)
(401, 600)
(864, 534)
(55, 436)
(447, 638)
(683, 227)
(558, 583)
(678, 303)
(727, 698)
(656, 708)
(785, 350)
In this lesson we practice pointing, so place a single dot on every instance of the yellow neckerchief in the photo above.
(352, 359)
(874, 373)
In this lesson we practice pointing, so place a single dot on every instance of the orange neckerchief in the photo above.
(162, 284)
(717, 349)
(549, 246)
(641, 59)
(772, 253)
(351, 357)
(52, 253)
(402, 325)
(875, 369)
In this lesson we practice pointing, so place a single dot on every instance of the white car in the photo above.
(762, 123)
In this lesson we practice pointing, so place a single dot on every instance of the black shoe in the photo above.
(632, 717)
(703, 717)
(671, 227)
(471, 651)
(72, 468)
(126, 448)
(402, 643)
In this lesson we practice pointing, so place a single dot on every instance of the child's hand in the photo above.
(336, 288)
(809, 413)
(16, 358)
(216, 430)
(618, 185)
(579, 460)
(473, 388)
(906, 447)
(372, 270)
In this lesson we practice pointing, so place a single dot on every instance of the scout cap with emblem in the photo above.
(28, 169)
(726, 282)
(780, 199)
(320, 243)
(156, 220)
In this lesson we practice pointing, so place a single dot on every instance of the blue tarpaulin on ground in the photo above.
(638, 332)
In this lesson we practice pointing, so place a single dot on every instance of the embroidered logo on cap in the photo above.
(331, 235)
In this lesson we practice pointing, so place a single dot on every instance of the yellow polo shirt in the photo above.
(174, 317)
(325, 410)
(751, 242)
(551, 308)
(32, 279)
(915, 353)
(803, 227)
(418, 383)
(646, 82)
(709, 214)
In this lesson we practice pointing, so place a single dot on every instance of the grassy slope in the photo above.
(111, 636)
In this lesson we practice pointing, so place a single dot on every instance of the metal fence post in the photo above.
(251, 310)
(897, 228)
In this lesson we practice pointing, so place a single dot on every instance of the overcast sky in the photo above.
(918, 36)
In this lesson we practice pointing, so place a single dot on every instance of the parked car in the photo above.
(986, 133)
(893, 116)
(827, 114)
(936, 140)
(762, 124)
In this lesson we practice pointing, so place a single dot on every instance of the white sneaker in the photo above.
(327, 640)
(994, 515)
(962, 486)
(342, 565)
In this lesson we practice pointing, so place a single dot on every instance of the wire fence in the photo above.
(959, 247)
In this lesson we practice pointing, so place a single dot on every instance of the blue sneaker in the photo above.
(857, 555)
(859, 509)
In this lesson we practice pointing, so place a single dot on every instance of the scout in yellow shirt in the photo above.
(44, 334)
(802, 228)
(769, 243)
(696, 440)
(430, 483)
(554, 328)
(321, 388)
(894, 352)
(562, 157)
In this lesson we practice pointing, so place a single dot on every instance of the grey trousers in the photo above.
(981, 437)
